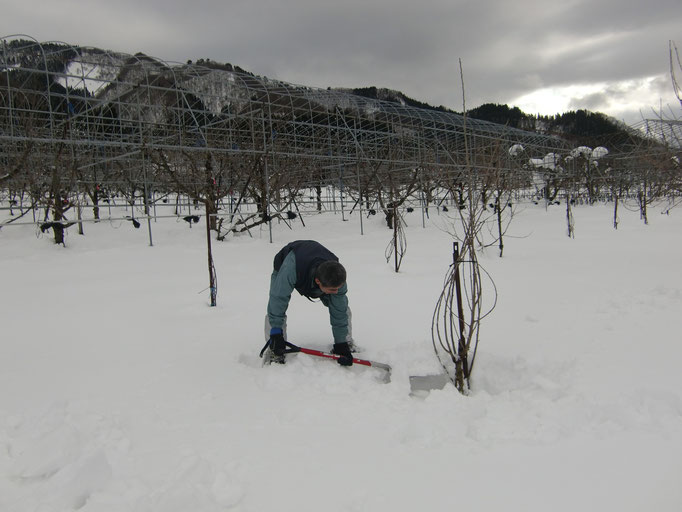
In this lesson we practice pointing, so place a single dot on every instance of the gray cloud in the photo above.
(508, 49)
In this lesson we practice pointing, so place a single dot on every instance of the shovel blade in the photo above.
(422, 384)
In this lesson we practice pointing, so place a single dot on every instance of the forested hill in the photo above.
(580, 127)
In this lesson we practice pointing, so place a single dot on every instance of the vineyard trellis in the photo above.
(81, 125)
(78, 125)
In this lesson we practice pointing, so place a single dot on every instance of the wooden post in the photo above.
(211, 267)
(461, 363)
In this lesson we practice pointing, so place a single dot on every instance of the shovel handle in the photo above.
(364, 362)
(319, 353)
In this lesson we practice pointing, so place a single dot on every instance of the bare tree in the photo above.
(455, 324)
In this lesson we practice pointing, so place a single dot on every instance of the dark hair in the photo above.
(331, 273)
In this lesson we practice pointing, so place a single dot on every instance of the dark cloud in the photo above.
(508, 49)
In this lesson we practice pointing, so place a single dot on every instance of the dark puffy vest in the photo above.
(309, 254)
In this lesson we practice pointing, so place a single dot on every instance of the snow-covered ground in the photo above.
(122, 390)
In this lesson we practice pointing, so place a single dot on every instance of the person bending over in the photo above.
(315, 272)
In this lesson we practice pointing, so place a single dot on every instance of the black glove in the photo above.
(276, 341)
(343, 350)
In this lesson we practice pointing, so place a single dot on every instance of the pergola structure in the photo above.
(668, 131)
(95, 120)
(80, 124)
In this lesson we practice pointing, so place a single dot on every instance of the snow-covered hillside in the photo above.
(121, 390)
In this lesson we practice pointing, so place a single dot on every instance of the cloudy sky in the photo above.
(542, 56)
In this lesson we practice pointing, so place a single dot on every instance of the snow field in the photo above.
(121, 390)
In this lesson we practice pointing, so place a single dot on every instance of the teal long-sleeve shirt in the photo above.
(282, 285)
